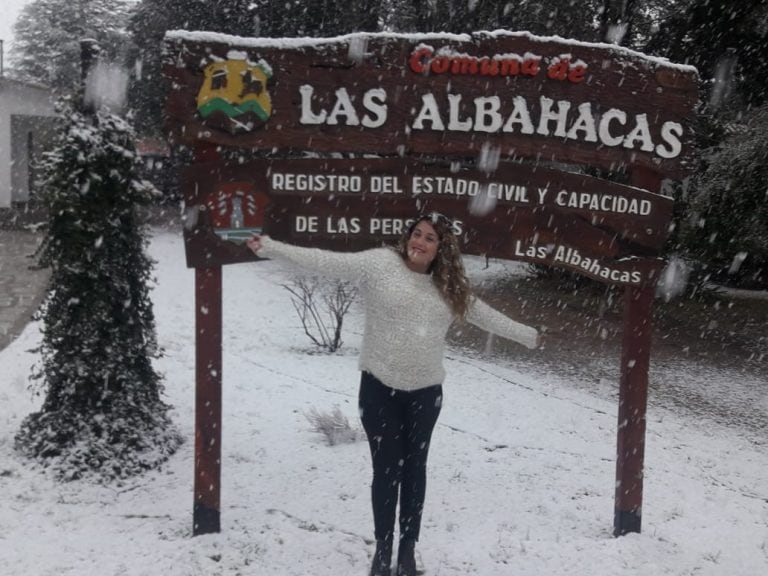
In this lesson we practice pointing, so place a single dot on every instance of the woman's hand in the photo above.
(254, 243)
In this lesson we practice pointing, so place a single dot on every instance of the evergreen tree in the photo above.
(47, 36)
(324, 18)
(148, 24)
(727, 228)
(102, 411)
(726, 41)
(568, 18)
(723, 216)
(616, 20)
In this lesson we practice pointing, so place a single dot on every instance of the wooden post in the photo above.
(633, 392)
(208, 327)
(633, 395)
(208, 351)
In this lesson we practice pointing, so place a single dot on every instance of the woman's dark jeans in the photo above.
(399, 427)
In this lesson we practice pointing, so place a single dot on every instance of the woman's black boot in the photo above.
(406, 561)
(382, 558)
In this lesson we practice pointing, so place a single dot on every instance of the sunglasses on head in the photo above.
(436, 217)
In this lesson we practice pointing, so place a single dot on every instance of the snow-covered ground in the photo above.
(521, 475)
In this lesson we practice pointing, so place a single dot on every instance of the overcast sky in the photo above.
(11, 9)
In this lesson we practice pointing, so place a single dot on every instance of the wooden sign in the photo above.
(543, 98)
(435, 111)
(516, 212)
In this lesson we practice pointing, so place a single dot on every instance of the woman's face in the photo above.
(422, 246)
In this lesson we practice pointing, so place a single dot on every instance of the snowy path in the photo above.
(521, 474)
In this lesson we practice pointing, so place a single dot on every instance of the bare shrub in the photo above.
(321, 306)
(334, 426)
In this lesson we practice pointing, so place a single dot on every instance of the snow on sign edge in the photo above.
(305, 42)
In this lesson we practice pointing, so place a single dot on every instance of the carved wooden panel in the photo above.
(523, 96)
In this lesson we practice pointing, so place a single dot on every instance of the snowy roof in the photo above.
(5, 80)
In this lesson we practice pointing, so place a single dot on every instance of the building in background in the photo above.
(27, 121)
(158, 167)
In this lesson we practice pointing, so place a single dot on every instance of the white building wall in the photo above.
(17, 99)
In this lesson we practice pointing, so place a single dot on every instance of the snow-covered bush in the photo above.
(102, 413)
(727, 228)
(334, 426)
(321, 305)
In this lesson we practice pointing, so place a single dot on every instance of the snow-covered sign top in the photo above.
(537, 97)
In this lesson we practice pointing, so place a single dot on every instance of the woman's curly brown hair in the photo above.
(447, 269)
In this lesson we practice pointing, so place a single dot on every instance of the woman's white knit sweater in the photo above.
(406, 318)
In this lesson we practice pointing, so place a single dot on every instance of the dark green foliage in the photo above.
(46, 49)
(728, 216)
(102, 411)
(318, 18)
(715, 35)
(724, 208)
(568, 18)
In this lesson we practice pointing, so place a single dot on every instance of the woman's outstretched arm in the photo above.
(491, 320)
(352, 266)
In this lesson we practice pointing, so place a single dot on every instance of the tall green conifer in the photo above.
(103, 411)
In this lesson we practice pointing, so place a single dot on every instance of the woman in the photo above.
(411, 296)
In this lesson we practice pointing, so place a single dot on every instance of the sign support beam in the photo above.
(208, 353)
(633, 392)
(208, 328)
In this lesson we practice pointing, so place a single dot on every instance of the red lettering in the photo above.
(423, 60)
(510, 67)
(559, 70)
(440, 65)
(563, 70)
(577, 73)
(531, 66)
(464, 66)
(489, 67)
(418, 59)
